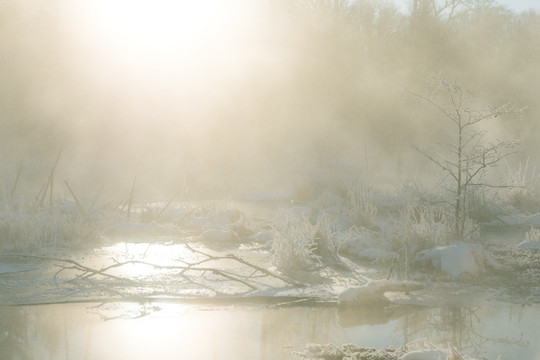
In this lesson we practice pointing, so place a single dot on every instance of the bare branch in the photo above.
(437, 162)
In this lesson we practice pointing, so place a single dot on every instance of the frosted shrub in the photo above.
(417, 229)
(213, 207)
(533, 234)
(360, 201)
(521, 194)
(480, 209)
(300, 245)
(436, 208)
(294, 245)
(33, 232)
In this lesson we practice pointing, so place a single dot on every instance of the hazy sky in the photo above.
(516, 5)
(521, 5)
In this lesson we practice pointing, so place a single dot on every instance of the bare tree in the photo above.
(440, 9)
(467, 157)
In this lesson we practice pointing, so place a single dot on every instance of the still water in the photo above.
(180, 331)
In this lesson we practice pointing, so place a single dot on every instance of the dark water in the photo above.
(179, 331)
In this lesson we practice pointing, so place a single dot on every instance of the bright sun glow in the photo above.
(170, 54)
(154, 30)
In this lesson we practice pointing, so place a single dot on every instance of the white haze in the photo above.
(231, 97)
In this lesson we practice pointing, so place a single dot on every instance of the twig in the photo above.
(263, 270)
(242, 261)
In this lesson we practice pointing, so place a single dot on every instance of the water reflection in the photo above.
(174, 331)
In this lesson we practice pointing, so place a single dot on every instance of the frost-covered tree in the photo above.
(467, 155)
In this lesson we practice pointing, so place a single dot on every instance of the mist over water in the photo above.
(226, 98)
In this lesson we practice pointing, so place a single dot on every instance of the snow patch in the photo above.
(425, 355)
(529, 245)
(457, 259)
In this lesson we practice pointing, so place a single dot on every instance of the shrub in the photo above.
(300, 245)
(533, 234)
(360, 201)
(419, 227)
(35, 232)
(521, 194)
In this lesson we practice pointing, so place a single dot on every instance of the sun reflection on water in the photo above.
(177, 332)
(165, 330)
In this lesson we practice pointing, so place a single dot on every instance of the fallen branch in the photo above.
(192, 272)
(242, 261)
(265, 271)
(87, 271)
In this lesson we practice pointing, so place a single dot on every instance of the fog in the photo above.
(223, 98)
